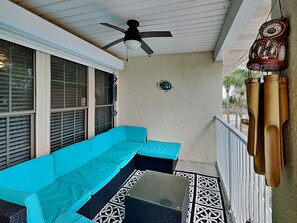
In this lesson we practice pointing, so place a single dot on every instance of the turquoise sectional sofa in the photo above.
(54, 187)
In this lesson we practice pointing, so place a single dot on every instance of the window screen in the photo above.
(68, 102)
(104, 101)
(16, 104)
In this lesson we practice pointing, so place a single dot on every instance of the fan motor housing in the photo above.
(132, 23)
(132, 32)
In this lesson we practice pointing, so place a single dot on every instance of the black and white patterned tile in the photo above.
(205, 200)
(208, 198)
(209, 183)
(204, 214)
(191, 193)
(132, 180)
(110, 213)
(119, 197)
(189, 216)
(138, 172)
(190, 176)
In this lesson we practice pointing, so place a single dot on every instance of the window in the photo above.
(68, 102)
(17, 109)
(104, 101)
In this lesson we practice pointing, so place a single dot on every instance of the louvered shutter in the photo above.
(103, 119)
(104, 101)
(16, 104)
(68, 103)
(19, 139)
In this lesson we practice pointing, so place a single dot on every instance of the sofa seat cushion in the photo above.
(135, 146)
(72, 217)
(158, 149)
(93, 175)
(58, 197)
(117, 155)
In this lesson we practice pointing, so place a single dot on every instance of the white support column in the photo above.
(91, 102)
(43, 103)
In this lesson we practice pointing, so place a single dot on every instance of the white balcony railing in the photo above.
(248, 196)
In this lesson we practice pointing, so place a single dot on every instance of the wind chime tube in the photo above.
(252, 94)
(284, 113)
(259, 159)
(272, 131)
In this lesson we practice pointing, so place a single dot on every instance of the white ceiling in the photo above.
(238, 52)
(196, 25)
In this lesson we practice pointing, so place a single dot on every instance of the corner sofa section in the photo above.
(119, 147)
(81, 177)
(158, 156)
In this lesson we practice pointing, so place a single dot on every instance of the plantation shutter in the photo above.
(68, 102)
(103, 119)
(104, 101)
(16, 104)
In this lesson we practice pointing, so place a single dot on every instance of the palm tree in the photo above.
(227, 82)
(237, 80)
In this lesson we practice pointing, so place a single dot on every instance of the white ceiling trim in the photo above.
(23, 27)
(239, 14)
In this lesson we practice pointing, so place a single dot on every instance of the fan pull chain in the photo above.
(126, 60)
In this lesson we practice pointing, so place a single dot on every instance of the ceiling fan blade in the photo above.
(146, 48)
(112, 43)
(155, 34)
(113, 27)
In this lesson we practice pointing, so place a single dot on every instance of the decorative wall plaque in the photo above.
(269, 51)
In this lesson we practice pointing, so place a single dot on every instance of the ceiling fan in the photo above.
(133, 38)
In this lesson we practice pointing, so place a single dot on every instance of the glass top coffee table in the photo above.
(157, 198)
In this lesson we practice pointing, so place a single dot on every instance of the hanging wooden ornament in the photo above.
(269, 51)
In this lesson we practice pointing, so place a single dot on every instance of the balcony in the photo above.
(184, 114)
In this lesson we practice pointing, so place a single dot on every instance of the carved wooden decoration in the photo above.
(269, 51)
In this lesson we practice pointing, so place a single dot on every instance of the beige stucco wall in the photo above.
(284, 198)
(185, 113)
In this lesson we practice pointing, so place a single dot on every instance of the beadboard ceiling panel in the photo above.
(239, 51)
(196, 25)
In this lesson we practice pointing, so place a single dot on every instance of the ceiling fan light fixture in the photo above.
(133, 38)
(132, 44)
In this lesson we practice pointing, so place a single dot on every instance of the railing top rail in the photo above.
(239, 134)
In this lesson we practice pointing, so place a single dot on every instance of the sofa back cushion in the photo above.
(71, 157)
(29, 176)
(135, 133)
(100, 143)
(118, 134)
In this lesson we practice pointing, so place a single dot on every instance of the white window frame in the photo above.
(74, 109)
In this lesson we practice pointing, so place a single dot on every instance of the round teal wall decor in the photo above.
(165, 85)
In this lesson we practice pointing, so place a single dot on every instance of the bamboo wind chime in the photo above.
(268, 111)
(267, 100)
